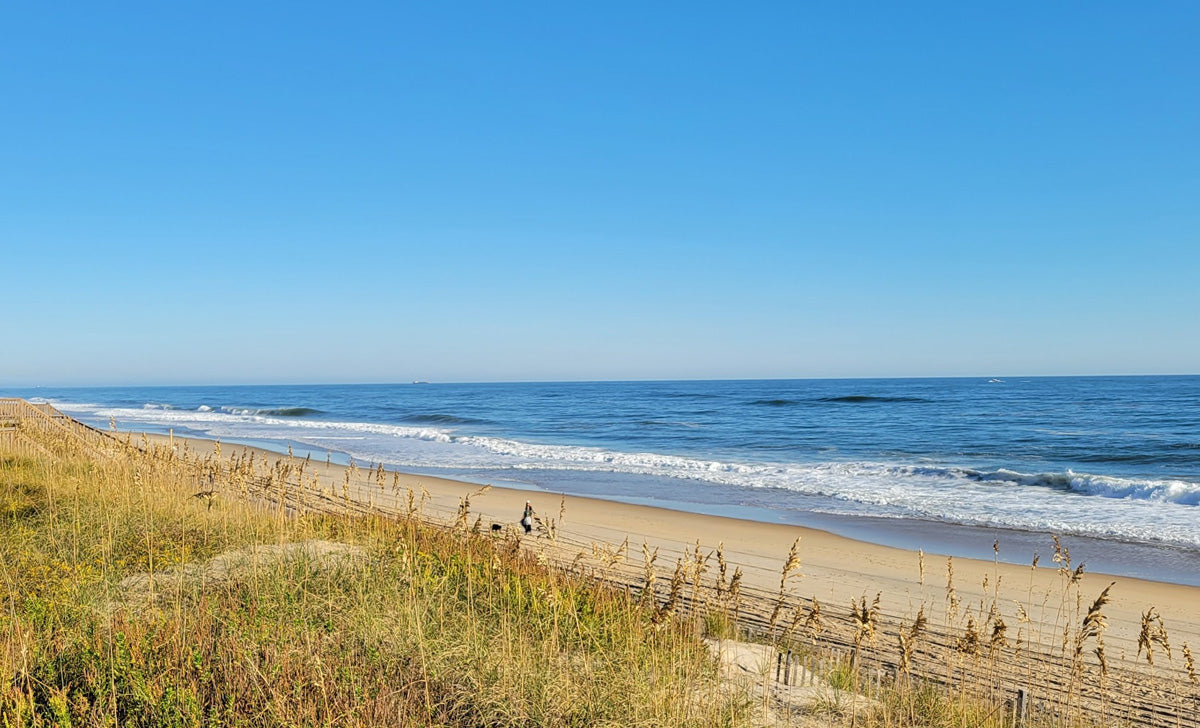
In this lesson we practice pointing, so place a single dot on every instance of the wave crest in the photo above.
(441, 419)
(1105, 486)
(271, 411)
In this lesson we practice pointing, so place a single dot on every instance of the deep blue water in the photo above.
(1110, 458)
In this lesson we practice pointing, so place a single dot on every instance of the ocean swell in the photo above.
(441, 419)
(862, 398)
(842, 399)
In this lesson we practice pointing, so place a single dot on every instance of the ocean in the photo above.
(1112, 464)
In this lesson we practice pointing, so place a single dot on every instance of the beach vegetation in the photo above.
(130, 602)
(720, 625)
(150, 585)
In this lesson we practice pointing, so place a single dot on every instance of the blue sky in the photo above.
(290, 192)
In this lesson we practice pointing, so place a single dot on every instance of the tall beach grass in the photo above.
(150, 585)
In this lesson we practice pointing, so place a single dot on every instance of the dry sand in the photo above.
(834, 569)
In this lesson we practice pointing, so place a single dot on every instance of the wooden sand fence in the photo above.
(1028, 676)
(28, 428)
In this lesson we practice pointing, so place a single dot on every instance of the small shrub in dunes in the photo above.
(720, 625)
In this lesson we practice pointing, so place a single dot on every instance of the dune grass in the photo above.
(158, 587)
(422, 626)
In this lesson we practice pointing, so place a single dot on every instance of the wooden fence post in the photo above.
(1020, 708)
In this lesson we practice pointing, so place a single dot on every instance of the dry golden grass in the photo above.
(443, 625)
(434, 626)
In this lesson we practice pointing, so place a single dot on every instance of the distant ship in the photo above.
(995, 381)
(417, 381)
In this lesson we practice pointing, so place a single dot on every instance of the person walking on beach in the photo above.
(527, 517)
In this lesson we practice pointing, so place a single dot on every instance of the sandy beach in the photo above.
(834, 569)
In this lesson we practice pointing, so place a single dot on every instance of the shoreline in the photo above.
(835, 569)
(1121, 559)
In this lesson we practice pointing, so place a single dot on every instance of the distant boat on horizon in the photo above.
(995, 381)
(418, 381)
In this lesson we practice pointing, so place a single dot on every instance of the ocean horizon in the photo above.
(949, 465)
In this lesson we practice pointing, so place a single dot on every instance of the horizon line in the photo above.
(384, 383)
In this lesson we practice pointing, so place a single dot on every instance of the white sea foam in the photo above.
(1155, 511)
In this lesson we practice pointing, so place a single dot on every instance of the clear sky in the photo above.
(239, 192)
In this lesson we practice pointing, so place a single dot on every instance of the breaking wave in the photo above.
(245, 411)
(274, 412)
(1168, 491)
